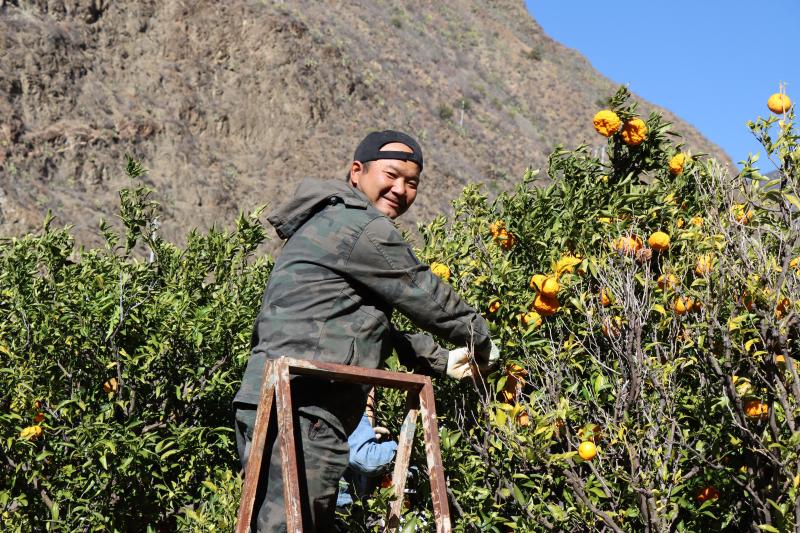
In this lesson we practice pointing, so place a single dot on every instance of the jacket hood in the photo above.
(310, 196)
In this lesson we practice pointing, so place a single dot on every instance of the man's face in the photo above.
(389, 184)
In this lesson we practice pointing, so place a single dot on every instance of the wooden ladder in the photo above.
(276, 389)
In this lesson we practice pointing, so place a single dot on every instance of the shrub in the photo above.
(128, 366)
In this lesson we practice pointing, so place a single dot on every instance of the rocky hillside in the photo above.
(231, 103)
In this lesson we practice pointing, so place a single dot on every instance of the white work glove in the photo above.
(459, 365)
(381, 432)
(459, 362)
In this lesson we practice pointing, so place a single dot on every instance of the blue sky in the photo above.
(714, 63)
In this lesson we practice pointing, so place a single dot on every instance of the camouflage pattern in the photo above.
(323, 456)
(331, 294)
(342, 271)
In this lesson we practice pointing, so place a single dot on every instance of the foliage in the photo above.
(128, 366)
(692, 408)
(655, 390)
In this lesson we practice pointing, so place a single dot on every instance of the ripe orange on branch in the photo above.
(111, 386)
(566, 264)
(31, 432)
(667, 281)
(545, 305)
(634, 132)
(676, 164)
(756, 409)
(658, 241)
(441, 270)
(537, 280)
(550, 287)
(682, 305)
(627, 245)
(605, 298)
(587, 450)
(779, 103)
(704, 265)
(612, 326)
(606, 122)
(706, 493)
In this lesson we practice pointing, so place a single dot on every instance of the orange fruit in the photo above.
(550, 287)
(111, 386)
(627, 245)
(704, 265)
(531, 317)
(676, 164)
(494, 306)
(523, 420)
(756, 409)
(441, 270)
(545, 305)
(515, 380)
(567, 263)
(39, 418)
(31, 432)
(706, 493)
(779, 103)
(505, 239)
(537, 281)
(782, 307)
(741, 214)
(587, 450)
(634, 132)
(682, 305)
(667, 281)
(658, 241)
(612, 326)
(605, 299)
(496, 226)
(606, 122)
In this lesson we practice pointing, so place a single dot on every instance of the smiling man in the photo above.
(343, 270)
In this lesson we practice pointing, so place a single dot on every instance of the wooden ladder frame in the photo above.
(276, 388)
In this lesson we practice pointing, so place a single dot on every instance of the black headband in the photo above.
(370, 148)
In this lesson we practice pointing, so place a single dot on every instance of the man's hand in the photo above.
(459, 365)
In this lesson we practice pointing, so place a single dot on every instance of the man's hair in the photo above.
(366, 169)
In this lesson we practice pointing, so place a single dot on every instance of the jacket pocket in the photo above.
(352, 354)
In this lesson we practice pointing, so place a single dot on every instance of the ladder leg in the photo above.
(291, 485)
(256, 455)
(441, 511)
(405, 441)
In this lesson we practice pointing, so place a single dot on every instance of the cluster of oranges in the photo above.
(504, 238)
(607, 123)
(36, 431)
(546, 302)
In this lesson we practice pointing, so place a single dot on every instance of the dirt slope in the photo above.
(231, 103)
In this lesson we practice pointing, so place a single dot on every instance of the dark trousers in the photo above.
(322, 458)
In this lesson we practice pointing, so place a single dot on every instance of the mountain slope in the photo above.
(231, 103)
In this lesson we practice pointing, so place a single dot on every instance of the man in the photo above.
(343, 269)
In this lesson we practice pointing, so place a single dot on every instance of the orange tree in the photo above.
(117, 373)
(646, 305)
(645, 302)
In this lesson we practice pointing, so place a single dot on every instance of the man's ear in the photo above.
(355, 172)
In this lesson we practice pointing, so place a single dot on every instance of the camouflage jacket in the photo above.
(332, 290)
